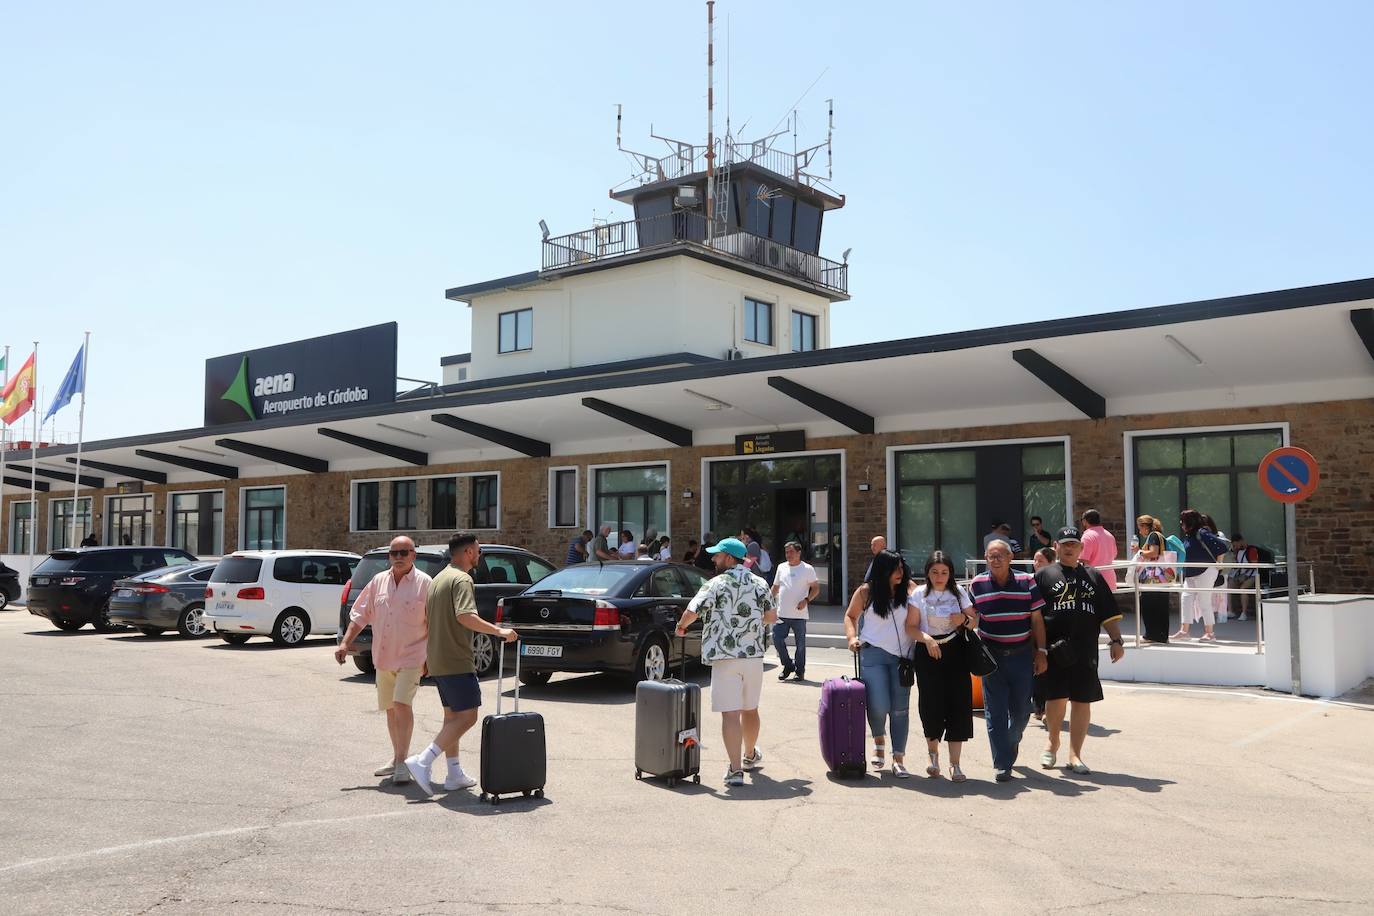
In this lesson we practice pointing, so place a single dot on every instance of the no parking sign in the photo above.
(1288, 474)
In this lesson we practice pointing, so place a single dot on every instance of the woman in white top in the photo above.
(876, 626)
(937, 615)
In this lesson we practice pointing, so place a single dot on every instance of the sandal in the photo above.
(1079, 767)
(899, 770)
(933, 770)
(879, 759)
(956, 774)
(1207, 637)
(1047, 760)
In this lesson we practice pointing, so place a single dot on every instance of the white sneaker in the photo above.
(420, 773)
(456, 780)
(754, 761)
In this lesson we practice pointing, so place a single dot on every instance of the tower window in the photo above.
(758, 321)
(516, 331)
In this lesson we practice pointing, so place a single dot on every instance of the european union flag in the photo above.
(72, 385)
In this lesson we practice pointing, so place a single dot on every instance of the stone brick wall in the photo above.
(1335, 527)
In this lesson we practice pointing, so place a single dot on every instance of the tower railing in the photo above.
(688, 228)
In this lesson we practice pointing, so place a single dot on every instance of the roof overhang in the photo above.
(1293, 346)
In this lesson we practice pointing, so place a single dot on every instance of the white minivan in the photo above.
(284, 594)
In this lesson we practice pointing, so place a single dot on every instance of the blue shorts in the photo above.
(459, 692)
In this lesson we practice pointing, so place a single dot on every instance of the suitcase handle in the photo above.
(857, 675)
(684, 656)
(501, 673)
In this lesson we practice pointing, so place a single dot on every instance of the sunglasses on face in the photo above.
(400, 553)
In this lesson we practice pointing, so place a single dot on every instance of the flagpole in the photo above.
(33, 468)
(4, 450)
(80, 434)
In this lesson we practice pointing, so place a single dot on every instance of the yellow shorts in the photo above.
(397, 687)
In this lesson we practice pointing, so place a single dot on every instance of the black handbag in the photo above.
(981, 661)
(906, 668)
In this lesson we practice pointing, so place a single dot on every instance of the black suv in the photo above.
(72, 587)
(502, 572)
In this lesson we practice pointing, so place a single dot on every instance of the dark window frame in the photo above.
(750, 302)
(806, 318)
(488, 515)
(410, 506)
(181, 517)
(514, 316)
(254, 516)
(448, 519)
(557, 476)
(367, 512)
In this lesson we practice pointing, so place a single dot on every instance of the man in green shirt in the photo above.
(451, 609)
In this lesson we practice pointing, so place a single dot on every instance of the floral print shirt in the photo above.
(732, 607)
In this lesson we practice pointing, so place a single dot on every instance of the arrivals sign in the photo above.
(323, 374)
(790, 440)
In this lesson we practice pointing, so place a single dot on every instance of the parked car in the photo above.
(284, 594)
(9, 586)
(172, 598)
(72, 587)
(502, 572)
(617, 616)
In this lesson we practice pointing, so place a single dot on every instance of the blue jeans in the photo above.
(888, 701)
(797, 625)
(1007, 706)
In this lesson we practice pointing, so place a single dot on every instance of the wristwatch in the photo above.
(1042, 649)
(1116, 642)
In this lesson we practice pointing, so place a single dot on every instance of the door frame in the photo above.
(704, 514)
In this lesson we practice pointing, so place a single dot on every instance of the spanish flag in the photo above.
(18, 397)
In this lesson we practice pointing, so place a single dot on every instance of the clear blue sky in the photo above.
(186, 181)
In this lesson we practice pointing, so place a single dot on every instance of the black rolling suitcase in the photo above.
(668, 728)
(513, 753)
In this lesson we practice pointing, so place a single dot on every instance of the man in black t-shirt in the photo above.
(1077, 604)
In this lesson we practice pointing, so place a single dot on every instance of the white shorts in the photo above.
(736, 684)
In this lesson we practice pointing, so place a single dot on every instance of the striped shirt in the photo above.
(1004, 611)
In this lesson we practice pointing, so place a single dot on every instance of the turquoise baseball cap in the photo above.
(733, 546)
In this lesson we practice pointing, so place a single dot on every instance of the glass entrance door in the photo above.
(131, 520)
(824, 542)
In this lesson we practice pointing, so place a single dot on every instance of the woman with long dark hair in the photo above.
(938, 616)
(875, 624)
(1200, 546)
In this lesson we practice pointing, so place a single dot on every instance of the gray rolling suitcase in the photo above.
(668, 728)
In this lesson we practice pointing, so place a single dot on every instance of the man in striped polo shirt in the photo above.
(1009, 620)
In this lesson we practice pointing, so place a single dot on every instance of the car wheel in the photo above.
(191, 623)
(535, 678)
(68, 625)
(4, 600)
(234, 639)
(291, 628)
(483, 654)
(102, 622)
(150, 631)
(364, 663)
(652, 662)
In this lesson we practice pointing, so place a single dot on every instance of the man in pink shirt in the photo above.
(1099, 547)
(393, 604)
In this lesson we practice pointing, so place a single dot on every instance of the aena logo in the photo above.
(274, 384)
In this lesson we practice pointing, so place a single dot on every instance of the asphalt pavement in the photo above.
(172, 776)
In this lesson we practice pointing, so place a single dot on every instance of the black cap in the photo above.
(1069, 533)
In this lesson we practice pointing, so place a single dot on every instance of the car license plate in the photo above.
(39, 581)
(124, 593)
(224, 605)
(542, 651)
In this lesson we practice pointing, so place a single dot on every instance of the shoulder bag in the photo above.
(981, 661)
(906, 668)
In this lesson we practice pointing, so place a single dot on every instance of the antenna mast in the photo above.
(710, 119)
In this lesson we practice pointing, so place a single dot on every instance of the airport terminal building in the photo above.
(674, 371)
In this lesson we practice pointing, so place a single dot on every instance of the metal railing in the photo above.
(690, 159)
(1132, 584)
(686, 227)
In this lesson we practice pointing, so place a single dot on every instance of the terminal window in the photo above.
(443, 503)
(758, 321)
(565, 498)
(21, 526)
(264, 519)
(484, 501)
(403, 505)
(60, 535)
(516, 331)
(198, 522)
(367, 506)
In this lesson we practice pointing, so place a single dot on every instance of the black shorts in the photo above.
(1077, 682)
(459, 692)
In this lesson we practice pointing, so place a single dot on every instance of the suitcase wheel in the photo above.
(639, 774)
(527, 793)
(538, 793)
(697, 779)
(672, 781)
(484, 798)
(496, 800)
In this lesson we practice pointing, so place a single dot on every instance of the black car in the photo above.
(9, 586)
(617, 616)
(171, 598)
(502, 572)
(72, 587)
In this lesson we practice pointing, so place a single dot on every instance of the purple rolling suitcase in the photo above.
(844, 724)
